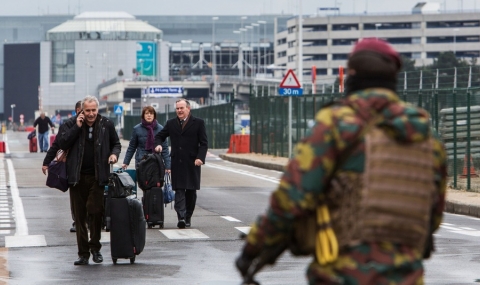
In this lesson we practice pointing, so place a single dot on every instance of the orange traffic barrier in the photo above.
(239, 144)
(465, 168)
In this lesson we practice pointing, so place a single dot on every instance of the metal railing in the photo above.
(269, 125)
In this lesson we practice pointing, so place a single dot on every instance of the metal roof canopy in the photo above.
(104, 22)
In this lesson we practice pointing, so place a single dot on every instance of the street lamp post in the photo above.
(251, 52)
(13, 117)
(264, 23)
(214, 60)
(257, 66)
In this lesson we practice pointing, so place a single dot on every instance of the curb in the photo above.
(462, 209)
(265, 165)
(452, 207)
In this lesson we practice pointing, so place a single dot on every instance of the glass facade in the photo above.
(63, 61)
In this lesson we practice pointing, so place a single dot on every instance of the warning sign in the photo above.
(290, 81)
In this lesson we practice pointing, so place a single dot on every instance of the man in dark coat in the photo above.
(189, 143)
(43, 122)
(52, 152)
(92, 144)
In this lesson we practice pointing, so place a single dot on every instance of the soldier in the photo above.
(371, 175)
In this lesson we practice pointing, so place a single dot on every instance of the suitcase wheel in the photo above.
(161, 225)
(150, 225)
(114, 260)
(132, 260)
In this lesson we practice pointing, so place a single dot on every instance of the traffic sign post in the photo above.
(290, 86)
(118, 110)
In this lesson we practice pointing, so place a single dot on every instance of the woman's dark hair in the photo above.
(149, 109)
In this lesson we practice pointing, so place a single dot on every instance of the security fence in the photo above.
(219, 123)
(269, 125)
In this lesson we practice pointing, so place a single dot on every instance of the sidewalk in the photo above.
(458, 201)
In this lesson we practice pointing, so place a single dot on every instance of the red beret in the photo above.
(378, 46)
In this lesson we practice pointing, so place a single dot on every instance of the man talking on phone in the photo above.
(93, 143)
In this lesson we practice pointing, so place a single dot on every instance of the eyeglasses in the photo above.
(90, 135)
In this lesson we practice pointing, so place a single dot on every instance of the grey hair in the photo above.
(183, 99)
(90, 98)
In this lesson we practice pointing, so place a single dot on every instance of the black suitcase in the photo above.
(153, 206)
(128, 228)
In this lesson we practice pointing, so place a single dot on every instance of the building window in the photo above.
(321, 71)
(387, 26)
(416, 40)
(340, 56)
(453, 24)
(315, 28)
(416, 55)
(344, 42)
(282, 54)
(344, 27)
(291, 44)
(292, 30)
(63, 61)
(316, 43)
(291, 58)
(451, 39)
(399, 41)
(406, 54)
(281, 41)
(314, 57)
(433, 54)
(471, 53)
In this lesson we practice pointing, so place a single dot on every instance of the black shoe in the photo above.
(97, 257)
(73, 229)
(181, 224)
(81, 261)
(188, 222)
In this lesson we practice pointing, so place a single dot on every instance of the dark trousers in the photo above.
(185, 200)
(87, 202)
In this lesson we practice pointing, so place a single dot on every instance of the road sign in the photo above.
(290, 81)
(118, 109)
(21, 116)
(290, 91)
(165, 91)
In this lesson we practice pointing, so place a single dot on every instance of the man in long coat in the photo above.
(189, 144)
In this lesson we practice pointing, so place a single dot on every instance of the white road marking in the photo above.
(231, 219)
(25, 241)
(5, 226)
(4, 232)
(461, 230)
(20, 220)
(247, 173)
(244, 230)
(184, 234)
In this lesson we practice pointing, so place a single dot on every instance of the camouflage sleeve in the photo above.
(441, 182)
(304, 179)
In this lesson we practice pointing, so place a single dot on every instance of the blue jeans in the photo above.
(43, 141)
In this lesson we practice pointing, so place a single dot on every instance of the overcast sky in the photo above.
(215, 7)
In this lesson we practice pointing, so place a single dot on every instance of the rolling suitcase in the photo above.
(127, 233)
(52, 139)
(33, 145)
(152, 201)
(109, 195)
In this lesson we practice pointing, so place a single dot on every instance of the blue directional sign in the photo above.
(290, 91)
(118, 109)
(165, 91)
(147, 58)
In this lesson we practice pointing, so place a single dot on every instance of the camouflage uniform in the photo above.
(304, 183)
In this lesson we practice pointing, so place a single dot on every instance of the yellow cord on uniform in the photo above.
(326, 244)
